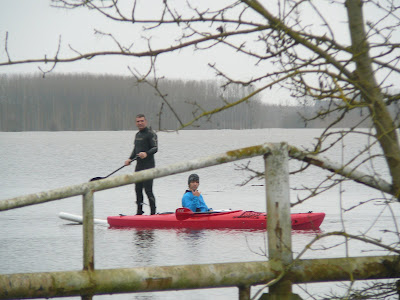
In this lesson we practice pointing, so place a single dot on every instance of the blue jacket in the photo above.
(195, 203)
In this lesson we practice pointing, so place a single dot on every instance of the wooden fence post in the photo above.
(278, 218)
(244, 292)
(88, 235)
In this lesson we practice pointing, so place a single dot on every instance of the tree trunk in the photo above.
(367, 85)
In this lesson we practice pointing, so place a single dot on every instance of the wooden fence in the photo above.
(278, 273)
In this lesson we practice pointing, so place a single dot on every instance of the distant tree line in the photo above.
(82, 102)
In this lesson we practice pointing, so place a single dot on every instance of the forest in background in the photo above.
(85, 102)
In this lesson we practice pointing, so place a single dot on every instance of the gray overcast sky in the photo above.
(34, 29)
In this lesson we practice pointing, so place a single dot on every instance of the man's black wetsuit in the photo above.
(145, 141)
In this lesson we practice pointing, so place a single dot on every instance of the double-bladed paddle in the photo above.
(98, 178)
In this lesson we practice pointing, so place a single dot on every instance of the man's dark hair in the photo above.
(140, 116)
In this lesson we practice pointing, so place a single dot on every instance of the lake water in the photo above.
(34, 239)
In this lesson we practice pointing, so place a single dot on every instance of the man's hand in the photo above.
(196, 193)
(128, 162)
(142, 155)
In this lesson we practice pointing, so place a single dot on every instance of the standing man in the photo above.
(145, 146)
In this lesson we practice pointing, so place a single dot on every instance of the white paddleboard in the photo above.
(79, 219)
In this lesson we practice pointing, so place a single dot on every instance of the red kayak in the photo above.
(235, 219)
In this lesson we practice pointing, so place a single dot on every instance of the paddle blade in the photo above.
(183, 213)
(96, 178)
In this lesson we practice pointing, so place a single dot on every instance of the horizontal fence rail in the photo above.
(122, 180)
(145, 279)
(199, 163)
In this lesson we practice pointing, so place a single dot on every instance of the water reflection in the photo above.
(143, 246)
(143, 238)
(192, 234)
